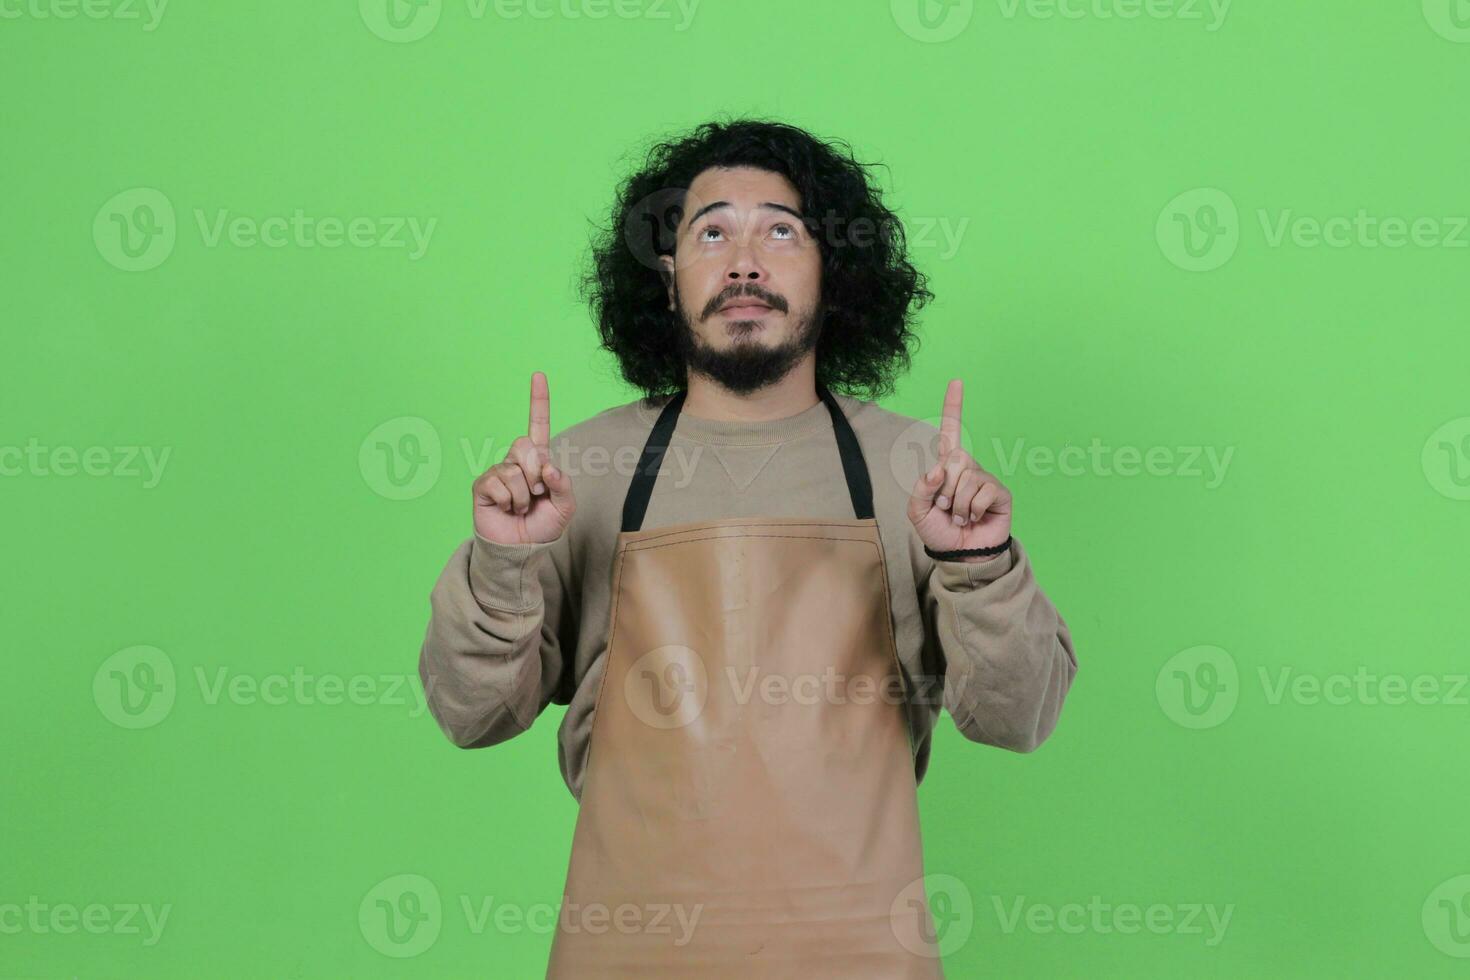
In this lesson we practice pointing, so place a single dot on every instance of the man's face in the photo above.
(746, 278)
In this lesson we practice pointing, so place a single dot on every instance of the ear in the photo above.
(666, 273)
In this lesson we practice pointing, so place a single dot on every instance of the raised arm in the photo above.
(493, 656)
(1008, 653)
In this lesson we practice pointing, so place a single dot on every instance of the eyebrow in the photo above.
(771, 205)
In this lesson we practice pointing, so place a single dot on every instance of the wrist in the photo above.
(971, 555)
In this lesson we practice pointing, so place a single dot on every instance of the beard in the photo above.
(747, 365)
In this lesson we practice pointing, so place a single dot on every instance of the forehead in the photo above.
(743, 187)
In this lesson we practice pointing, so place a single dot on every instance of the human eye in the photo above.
(699, 235)
(789, 231)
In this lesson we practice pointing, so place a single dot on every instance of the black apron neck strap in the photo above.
(854, 468)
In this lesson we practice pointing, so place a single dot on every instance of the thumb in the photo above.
(932, 480)
(558, 484)
(922, 499)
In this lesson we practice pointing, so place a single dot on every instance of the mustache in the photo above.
(752, 290)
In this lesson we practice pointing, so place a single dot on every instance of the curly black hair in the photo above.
(869, 293)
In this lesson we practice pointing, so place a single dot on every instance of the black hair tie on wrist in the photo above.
(967, 552)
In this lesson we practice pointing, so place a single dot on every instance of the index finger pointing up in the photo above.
(540, 428)
(949, 425)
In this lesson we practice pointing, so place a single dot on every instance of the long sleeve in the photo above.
(492, 657)
(1007, 652)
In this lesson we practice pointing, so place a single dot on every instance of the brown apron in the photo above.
(748, 807)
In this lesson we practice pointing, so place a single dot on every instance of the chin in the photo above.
(763, 337)
(769, 325)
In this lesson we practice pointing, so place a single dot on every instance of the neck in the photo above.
(793, 394)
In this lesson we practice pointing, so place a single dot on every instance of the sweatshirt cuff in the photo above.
(505, 576)
(960, 575)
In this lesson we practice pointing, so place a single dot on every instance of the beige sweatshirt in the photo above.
(514, 628)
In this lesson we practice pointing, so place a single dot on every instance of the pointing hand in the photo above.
(957, 505)
(524, 499)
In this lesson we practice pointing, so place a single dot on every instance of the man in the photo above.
(756, 599)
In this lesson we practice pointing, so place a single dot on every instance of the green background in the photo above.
(1334, 545)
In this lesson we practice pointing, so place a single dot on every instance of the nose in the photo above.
(745, 265)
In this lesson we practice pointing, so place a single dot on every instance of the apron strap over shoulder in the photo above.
(635, 504)
(640, 491)
(854, 467)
